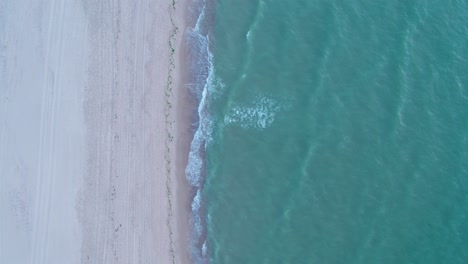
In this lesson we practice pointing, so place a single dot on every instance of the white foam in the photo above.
(204, 86)
(259, 113)
(200, 18)
(195, 220)
(204, 249)
(248, 35)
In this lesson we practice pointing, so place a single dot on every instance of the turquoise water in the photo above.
(330, 131)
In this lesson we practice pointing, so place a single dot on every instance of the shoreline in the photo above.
(181, 118)
(201, 82)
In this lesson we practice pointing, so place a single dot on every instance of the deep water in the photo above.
(333, 132)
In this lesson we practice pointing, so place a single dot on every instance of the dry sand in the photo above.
(93, 132)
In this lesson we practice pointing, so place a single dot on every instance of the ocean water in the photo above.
(329, 131)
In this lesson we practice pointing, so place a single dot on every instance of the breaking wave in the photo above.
(202, 85)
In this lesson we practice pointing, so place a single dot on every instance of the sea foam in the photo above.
(202, 85)
(259, 113)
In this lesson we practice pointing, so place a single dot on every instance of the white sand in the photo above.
(87, 170)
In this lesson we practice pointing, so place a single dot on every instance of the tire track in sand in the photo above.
(47, 155)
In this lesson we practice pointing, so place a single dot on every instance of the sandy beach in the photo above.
(93, 134)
